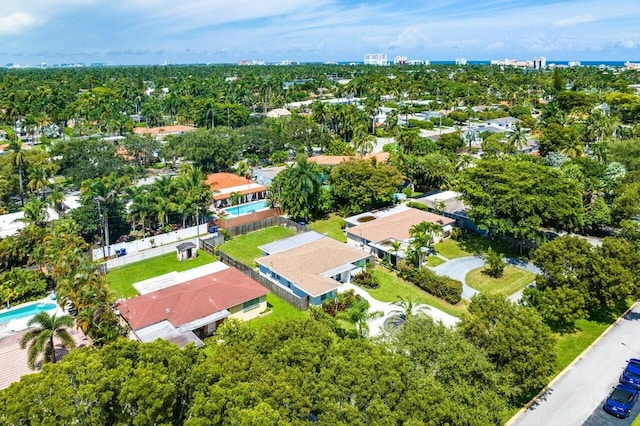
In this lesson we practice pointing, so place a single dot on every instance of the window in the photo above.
(251, 304)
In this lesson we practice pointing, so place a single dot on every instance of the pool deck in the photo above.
(17, 325)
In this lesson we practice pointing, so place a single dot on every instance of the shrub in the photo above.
(417, 205)
(443, 287)
(365, 279)
(226, 234)
(341, 302)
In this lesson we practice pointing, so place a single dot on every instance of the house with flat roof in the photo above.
(311, 266)
(190, 311)
(278, 113)
(161, 132)
(504, 123)
(223, 185)
(378, 230)
(334, 160)
(450, 204)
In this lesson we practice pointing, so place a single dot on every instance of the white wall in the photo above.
(145, 243)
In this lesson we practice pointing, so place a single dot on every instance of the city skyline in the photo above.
(132, 32)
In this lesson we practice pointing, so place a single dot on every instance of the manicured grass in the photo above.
(280, 310)
(636, 422)
(434, 261)
(392, 287)
(569, 346)
(121, 279)
(471, 244)
(245, 247)
(512, 280)
(331, 227)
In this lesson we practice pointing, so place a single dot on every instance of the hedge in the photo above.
(443, 287)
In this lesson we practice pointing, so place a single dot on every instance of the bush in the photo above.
(341, 302)
(418, 206)
(427, 125)
(365, 279)
(443, 287)
(226, 234)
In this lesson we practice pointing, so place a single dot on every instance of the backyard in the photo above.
(513, 279)
(279, 310)
(121, 279)
(332, 227)
(392, 288)
(245, 247)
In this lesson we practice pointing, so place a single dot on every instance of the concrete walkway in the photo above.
(376, 325)
(460, 267)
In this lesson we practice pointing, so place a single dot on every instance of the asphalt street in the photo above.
(576, 396)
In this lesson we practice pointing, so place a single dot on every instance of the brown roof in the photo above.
(303, 265)
(333, 160)
(165, 130)
(396, 226)
(192, 300)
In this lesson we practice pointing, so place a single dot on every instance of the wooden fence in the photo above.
(211, 246)
(266, 223)
(245, 218)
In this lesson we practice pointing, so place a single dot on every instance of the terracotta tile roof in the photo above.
(333, 160)
(303, 265)
(165, 130)
(396, 226)
(191, 300)
(226, 183)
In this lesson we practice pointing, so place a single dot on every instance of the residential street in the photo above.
(576, 396)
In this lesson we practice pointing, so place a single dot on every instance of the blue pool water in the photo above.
(241, 209)
(25, 311)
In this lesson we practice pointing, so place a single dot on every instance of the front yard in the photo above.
(245, 247)
(469, 244)
(513, 280)
(279, 310)
(392, 288)
(121, 279)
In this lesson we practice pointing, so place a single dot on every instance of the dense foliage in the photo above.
(440, 286)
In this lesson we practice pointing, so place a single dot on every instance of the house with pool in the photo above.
(236, 195)
(311, 265)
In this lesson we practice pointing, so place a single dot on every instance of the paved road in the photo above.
(577, 394)
(376, 325)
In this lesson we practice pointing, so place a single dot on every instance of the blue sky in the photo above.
(225, 31)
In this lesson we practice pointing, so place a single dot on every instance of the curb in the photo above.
(568, 367)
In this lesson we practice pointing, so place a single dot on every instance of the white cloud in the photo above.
(18, 22)
(574, 20)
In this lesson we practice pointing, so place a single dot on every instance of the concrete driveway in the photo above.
(576, 396)
(460, 267)
(376, 325)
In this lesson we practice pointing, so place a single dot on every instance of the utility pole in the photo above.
(102, 231)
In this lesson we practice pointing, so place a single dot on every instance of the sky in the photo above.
(137, 32)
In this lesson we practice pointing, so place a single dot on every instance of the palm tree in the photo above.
(518, 137)
(35, 211)
(395, 248)
(406, 309)
(55, 199)
(18, 159)
(235, 198)
(359, 314)
(40, 339)
(423, 236)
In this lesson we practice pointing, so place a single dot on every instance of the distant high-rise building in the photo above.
(399, 60)
(375, 59)
(539, 62)
(574, 63)
(461, 61)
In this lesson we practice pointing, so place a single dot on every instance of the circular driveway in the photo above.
(460, 267)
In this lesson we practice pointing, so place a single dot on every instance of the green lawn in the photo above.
(280, 310)
(331, 227)
(392, 287)
(471, 244)
(434, 261)
(245, 247)
(512, 280)
(636, 422)
(121, 279)
(569, 346)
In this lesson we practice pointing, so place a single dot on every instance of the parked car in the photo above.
(631, 375)
(621, 400)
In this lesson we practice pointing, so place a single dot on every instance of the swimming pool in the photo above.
(25, 311)
(241, 209)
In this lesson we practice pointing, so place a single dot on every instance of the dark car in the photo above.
(631, 375)
(621, 401)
